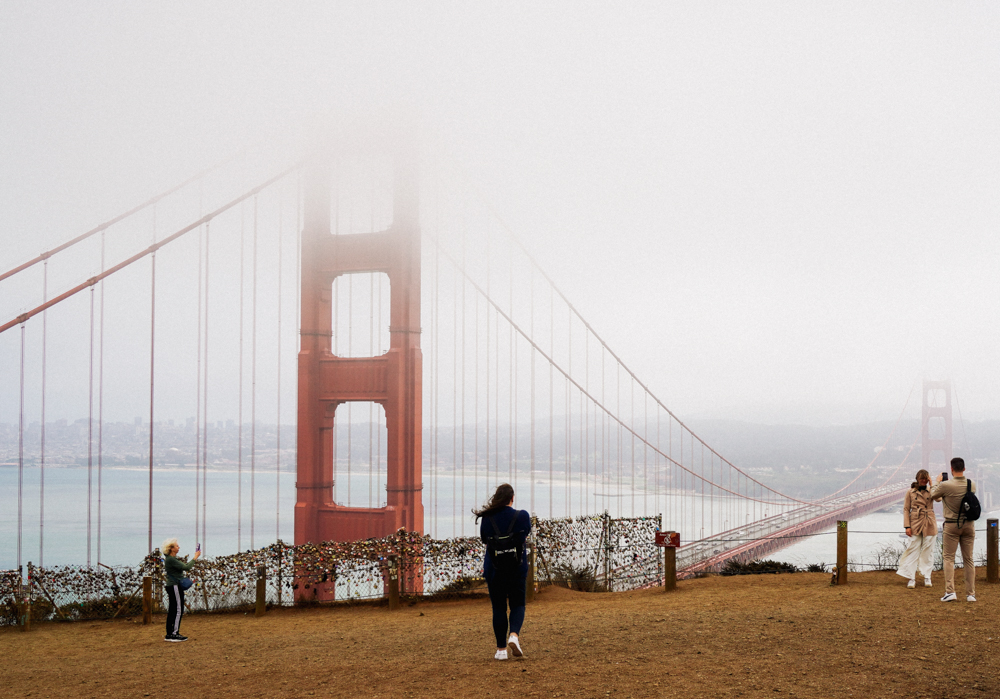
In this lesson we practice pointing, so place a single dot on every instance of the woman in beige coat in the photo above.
(921, 526)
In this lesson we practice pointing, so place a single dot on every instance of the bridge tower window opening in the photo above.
(359, 454)
(360, 314)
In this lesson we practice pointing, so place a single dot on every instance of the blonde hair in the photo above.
(167, 545)
(922, 473)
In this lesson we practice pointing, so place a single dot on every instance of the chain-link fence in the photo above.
(598, 553)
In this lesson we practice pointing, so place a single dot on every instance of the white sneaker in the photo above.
(950, 597)
(501, 654)
(912, 584)
(514, 647)
(927, 582)
(970, 598)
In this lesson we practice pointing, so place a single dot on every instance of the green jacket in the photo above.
(175, 569)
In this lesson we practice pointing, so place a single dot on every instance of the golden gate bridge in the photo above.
(432, 358)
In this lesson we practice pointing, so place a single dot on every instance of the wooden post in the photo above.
(669, 569)
(261, 592)
(529, 583)
(393, 581)
(841, 552)
(992, 575)
(147, 600)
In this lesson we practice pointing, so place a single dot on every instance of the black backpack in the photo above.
(503, 548)
(969, 509)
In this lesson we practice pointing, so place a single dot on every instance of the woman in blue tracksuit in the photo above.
(505, 586)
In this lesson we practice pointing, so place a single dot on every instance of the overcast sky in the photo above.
(775, 211)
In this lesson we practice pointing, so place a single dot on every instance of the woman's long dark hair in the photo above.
(501, 498)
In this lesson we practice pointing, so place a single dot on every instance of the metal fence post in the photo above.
(147, 600)
(609, 551)
(393, 581)
(841, 552)
(529, 583)
(261, 591)
(992, 575)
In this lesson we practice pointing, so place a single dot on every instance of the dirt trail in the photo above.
(749, 636)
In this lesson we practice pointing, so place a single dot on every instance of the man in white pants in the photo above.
(921, 526)
(956, 533)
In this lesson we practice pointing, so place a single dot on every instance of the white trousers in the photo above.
(919, 555)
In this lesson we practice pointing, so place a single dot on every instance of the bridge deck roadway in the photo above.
(765, 536)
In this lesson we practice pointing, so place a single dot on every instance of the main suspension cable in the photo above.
(117, 219)
(148, 251)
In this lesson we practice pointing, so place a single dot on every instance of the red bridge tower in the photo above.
(326, 381)
(940, 415)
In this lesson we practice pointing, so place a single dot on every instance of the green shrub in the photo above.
(734, 567)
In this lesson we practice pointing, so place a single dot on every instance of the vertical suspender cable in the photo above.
(475, 416)
(152, 359)
(350, 353)
(569, 423)
(514, 402)
(239, 466)
(512, 426)
(20, 457)
(336, 335)
(253, 380)
(552, 403)
(461, 280)
(198, 383)
(372, 279)
(380, 413)
(435, 394)
(631, 408)
(41, 472)
(100, 411)
(604, 448)
(434, 378)
(488, 258)
(277, 446)
(298, 263)
(90, 426)
(531, 413)
(702, 491)
(657, 505)
(197, 414)
(454, 394)
(618, 438)
(584, 509)
(583, 444)
(204, 409)
(496, 397)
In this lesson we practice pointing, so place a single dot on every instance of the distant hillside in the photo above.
(803, 460)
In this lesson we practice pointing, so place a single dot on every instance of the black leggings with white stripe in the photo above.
(175, 608)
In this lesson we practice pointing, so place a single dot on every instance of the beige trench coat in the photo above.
(918, 512)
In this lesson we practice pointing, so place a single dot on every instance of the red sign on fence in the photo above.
(668, 539)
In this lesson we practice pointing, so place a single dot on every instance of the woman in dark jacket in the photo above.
(505, 586)
(174, 569)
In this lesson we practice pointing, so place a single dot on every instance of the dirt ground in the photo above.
(748, 636)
